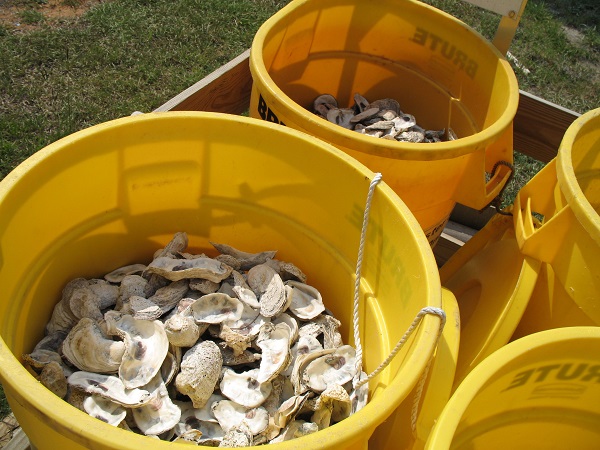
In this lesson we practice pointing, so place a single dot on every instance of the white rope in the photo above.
(417, 320)
(374, 182)
(358, 382)
(421, 383)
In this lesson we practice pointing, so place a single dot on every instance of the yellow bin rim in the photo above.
(441, 436)
(567, 178)
(78, 426)
(391, 149)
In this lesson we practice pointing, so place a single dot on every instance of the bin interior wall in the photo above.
(389, 50)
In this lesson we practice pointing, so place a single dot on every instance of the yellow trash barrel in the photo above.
(540, 391)
(557, 221)
(112, 194)
(438, 69)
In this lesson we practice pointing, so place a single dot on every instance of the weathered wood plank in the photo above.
(226, 90)
(539, 126)
(19, 441)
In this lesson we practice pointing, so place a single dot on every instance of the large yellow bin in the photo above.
(566, 193)
(540, 391)
(112, 194)
(439, 69)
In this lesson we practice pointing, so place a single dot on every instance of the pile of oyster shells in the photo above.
(382, 119)
(231, 351)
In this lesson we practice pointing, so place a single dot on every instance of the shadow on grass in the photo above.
(580, 14)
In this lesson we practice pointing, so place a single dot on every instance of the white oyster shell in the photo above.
(249, 323)
(160, 414)
(179, 269)
(274, 341)
(336, 368)
(146, 346)
(200, 370)
(247, 260)
(269, 288)
(216, 308)
(230, 415)
(109, 387)
(243, 388)
(305, 344)
(105, 410)
(88, 349)
(295, 429)
(117, 275)
(306, 302)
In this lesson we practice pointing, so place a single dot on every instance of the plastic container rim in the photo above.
(480, 375)
(70, 421)
(567, 179)
(399, 150)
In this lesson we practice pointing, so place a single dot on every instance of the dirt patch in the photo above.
(28, 15)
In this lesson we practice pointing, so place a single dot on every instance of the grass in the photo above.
(558, 43)
(128, 55)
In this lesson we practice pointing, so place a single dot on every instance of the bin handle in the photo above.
(497, 201)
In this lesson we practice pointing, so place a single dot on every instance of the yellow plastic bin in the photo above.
(566, 193)
(540, 391)
(493, 284)
(112, 194)
(440, 70)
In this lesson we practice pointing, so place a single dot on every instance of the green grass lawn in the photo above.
(128, 55)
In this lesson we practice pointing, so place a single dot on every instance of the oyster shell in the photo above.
(167, 297)
(63, 319)
(287, 270)
(200, 370)
(295, 429)
(90, 350)
(105, 410)
(146, 346)
(336, 368)
(53, 377)
(247, 260)
(382, 118)
(333, 398)
(179, 269)
(46, 350)
(244, 388)
(203, 286)
(288, 409)
(171, 307)
(274, 341)
(243, 291)
(109, 387)
(239, 436)
(305, 301)
(132, 285)
(159, 414)
(117, 275)
(141, 308)
(181, 330)
(216, 308)
(230, 415)
(269, 288)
